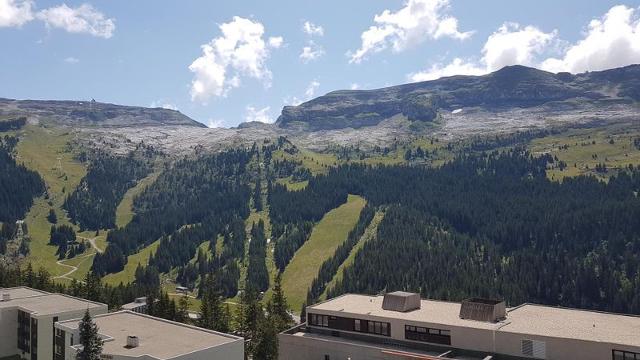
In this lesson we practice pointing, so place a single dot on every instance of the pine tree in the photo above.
(278, 308)
(266, 341)
(89, 339)
(182, 314)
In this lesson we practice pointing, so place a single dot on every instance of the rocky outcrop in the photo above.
(508, 88)
(93, 114)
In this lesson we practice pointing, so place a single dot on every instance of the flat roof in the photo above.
(527, 319)
(431, 311)
(21, 292)
(158, 338)
(49, 304)
(574, 324)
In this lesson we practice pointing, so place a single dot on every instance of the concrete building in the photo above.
(403, 326)
(139, 305)
(27, 317)
(131, 335)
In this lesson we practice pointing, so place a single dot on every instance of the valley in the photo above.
(180, 163)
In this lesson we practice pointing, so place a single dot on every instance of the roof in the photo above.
(133, 305)
(431, 311)
(575, 324)
(21, 292)
(527, 319)
(49, 304)
(159, 338)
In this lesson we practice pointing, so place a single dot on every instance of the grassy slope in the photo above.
(330, 232)
(124, 212)
(127, 275)
(369, 234)
(38, 149)
(578, 157)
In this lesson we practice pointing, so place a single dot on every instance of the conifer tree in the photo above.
(89, 339)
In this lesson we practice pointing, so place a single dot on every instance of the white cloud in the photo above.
(511, 44)
(416, 22)
(609, 42)
(259, 115)
(276, 42)
(456, 67)
(240, 50)
(311, 29)
(164, 105)
(71, 60)
(354, 86)
(309, 93)
(15, 13)
(83, 19)
(311, 52)
(214, 123)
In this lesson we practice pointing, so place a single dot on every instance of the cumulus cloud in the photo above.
(260, 115)
(276, 42)
(511, 44)
(456, 67)
(311, 52)
(354, 86)
(163, 104)
(240, 51)
(214, 123)
(71, 60)
(83, 20)
(15, 13)
(309, 93)
(417, 21)
(311, 29)
(609, 42)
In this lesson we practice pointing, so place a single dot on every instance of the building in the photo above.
(27, 317)
(139, 305)
(131, 335)
(402, 326)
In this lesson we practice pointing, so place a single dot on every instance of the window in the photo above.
(319, 320)
(378, 328)
(625, 355)
(431, 335)
(534, 348)
(356, 324)
(327, 357)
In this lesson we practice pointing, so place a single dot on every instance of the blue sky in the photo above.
(150, 53)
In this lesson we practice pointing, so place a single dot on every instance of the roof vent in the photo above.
(133, 341)
(6, 296)
(486, 310)
(401, 301)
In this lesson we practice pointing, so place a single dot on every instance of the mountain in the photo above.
(92, 113)
(508, 88)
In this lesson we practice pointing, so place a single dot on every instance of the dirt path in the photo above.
(72, 267)
(92, 241)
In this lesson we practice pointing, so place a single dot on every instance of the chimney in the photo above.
(133, 341)
(6, 296)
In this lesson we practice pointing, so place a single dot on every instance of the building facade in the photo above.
(403, 326)
(27, 319)
(132, 335)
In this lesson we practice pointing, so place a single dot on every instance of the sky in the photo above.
(226, 62)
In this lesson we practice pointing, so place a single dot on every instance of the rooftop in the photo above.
(21, 292)
(48, 304)
(525, 319)
(431, 311)
(575, 324)
(159, 338)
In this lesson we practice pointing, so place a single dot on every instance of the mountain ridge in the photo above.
(93, 113)
(510, 87)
